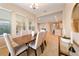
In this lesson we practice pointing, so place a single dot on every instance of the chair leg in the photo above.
(9, 54)
(28, 52)
(35, 52)
(42, 48)
(45, 43)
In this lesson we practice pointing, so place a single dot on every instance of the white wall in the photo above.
(67, 18)
(51, 17)
(17, 10)
(46, 19)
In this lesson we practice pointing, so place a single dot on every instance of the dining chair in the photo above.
(38, 42)
(42, 30)
(13, 51)
(34, 34)
(58, 32)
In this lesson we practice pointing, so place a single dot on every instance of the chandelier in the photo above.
(34, 6)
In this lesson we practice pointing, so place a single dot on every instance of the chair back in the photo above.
(39, 39)
(7, 39)
(33, 33)
(58, 32)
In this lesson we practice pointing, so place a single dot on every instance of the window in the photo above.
(5, 24)
(31, 25)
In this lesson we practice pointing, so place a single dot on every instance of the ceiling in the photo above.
(43, 8)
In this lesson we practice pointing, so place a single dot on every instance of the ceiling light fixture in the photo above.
(34, 6)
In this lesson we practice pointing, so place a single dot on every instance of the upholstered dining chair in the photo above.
(13, 51)
(45, 34)
(38, 42)
(34, 35)
(58, 32)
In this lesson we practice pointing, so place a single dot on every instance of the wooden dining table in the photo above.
(16, 41)
(25, 39)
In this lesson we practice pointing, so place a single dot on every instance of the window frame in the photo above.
(8, 20)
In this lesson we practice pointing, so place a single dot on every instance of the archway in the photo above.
(75, 18)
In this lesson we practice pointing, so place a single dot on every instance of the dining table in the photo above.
(16, 41)
(24, 39)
